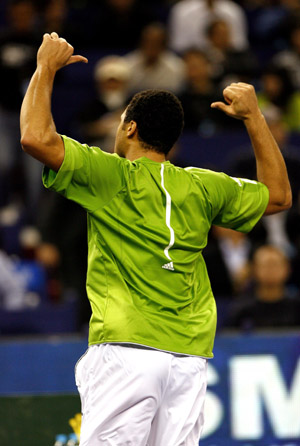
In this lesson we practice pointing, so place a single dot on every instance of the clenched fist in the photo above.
(55, 53)
(241, 101)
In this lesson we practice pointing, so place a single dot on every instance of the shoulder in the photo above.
(214, 183)
(183, 9)
(295, 98)
(231, 8)
(171, 58)
(133, 57)
(205, 174)
(92, 154)
(292, 302)
(286, 57)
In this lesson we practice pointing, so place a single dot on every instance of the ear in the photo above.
(131, 129)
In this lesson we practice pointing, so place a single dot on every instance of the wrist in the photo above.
(254, 119)
(46, 70)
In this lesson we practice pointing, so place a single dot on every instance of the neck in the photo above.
(267, 293)
(210, 4)
(134, 153)
(202, 85)
(151, 61)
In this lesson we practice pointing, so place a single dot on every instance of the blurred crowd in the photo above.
(193, 48)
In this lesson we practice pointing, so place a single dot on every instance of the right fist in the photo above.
(55, 53)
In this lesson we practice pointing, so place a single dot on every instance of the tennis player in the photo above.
(143, 378)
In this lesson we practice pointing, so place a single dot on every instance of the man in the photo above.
(188, 21)
(153, 65)
(270, 305)
(143, 379)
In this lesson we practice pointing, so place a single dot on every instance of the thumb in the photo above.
(75, 59)
(220, 106)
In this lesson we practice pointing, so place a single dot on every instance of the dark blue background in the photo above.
(47, 366)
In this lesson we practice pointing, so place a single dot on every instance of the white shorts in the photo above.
(140, 397)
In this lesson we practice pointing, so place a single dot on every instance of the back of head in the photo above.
(159, 118)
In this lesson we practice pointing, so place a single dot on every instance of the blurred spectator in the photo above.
(226, 256)
(54, 16)
(189, 19)
(293, 225)
(290, 58)
(274, 229)
(286, 15)
(12, 285)
(153, 65)
(47, 256)
(198, 94)
(117, 24)
(278, 89)
(18, 46)
(229, 64)
(264, 19)
(62, 224)
(270, 305)
(100, 118)
(23, 282)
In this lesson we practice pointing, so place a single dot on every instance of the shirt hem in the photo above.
(150, 347)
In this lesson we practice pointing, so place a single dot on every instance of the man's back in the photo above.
(148, 224)
(151, 235)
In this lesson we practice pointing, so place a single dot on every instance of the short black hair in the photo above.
(159, 118)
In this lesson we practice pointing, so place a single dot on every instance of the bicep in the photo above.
(50, 153)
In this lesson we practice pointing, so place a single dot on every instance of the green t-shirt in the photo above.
(147, 226)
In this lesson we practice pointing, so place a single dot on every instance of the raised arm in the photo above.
(271, 169)
(38, 133)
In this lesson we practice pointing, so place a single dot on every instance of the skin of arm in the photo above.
(38, 133)
(241, 103)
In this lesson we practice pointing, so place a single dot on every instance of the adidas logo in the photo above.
(169, 266)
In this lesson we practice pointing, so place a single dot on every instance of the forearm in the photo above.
(36, 118)
(38, 133)
(270, 164)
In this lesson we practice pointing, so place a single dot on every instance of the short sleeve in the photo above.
(236, 203)
(88, 176)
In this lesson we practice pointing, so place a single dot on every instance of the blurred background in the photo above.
(193, 48)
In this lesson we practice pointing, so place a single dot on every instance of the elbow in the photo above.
(35, 144)
(289, 200)
(25, 145)
(28, 143)
(279, 203)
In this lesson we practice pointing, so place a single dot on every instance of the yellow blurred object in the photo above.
(75, 424)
